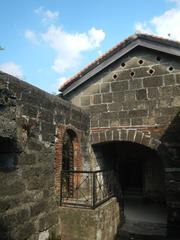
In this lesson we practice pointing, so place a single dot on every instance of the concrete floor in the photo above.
(136, 210)
(143, 220)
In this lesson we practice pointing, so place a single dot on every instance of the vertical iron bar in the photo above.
(94, 189)
(61, 187)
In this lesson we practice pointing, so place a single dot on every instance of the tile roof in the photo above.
(114, 50)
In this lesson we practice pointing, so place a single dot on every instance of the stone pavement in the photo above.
(143, 231)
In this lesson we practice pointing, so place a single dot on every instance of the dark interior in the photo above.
(139, 171)
(131, 177)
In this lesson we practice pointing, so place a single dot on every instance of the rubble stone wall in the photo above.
(29, 123)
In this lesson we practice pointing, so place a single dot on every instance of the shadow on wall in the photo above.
(170, 151)
(8, 155)
(4, 231)
(8, 163)
(171, 139)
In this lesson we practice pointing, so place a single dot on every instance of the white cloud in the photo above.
(143, 28)
(99, 52)
(47, 15)
(54, 88)
(31, 35)
(60, 82)
(168, 23)
(12, 69)
(164, 25)
(69, 47)
(175, 1)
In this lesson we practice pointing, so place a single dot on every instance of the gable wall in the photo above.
(130, 97)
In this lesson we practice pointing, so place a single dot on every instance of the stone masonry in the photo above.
(29, 123)
(137, 99)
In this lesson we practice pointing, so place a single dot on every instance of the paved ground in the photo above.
(144, 221)
(137, 210)
(140, 237)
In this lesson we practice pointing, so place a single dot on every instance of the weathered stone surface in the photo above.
(12, 189)
(97, 99)
(27, 137)
(85, 100)
(153, 92)
(92, 90)
(105, 87)
(169, 79)
(91, 224)
(107, 97)
(119, 86)
(177, 78)
(141, 94)
(136, 84)
(47, 221)
(112, 107)
(130, 101)
(103, 123)
(138, 113)
(118, 97)
(130, 96)
(7, 128)
(152, 81)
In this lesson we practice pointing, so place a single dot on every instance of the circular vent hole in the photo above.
(151, 71)
(158, 58)
(115, 76)
(140, 61)
(123, 64)
(132, 74)
(171, 68)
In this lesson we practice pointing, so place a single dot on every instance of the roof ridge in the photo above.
(108, 53)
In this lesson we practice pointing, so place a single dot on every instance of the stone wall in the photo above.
(140, 91)
(137, 99)
(29, 122)
(86, 224)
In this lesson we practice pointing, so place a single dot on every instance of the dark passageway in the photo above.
(139, 171)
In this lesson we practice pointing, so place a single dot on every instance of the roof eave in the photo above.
(142, 41)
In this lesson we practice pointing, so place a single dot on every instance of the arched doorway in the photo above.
(139, 171)
(68, 151)
(68, 159)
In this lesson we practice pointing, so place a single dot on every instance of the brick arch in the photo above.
(131, 135)
(61, 130)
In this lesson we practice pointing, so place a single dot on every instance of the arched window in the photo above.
(68, 153)
(68, 157)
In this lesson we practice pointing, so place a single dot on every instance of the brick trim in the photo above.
(61, 130)
(130, 135)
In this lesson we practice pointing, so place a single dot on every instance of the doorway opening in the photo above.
(140, 173)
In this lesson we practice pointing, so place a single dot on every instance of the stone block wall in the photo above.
(140, 91)
(86, 224)
(137, 99)
(29, 123)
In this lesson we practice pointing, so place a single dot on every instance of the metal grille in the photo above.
(90, 189)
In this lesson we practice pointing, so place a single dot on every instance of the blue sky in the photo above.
(47, 41)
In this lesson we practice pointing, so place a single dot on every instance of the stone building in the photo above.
(102, 155)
